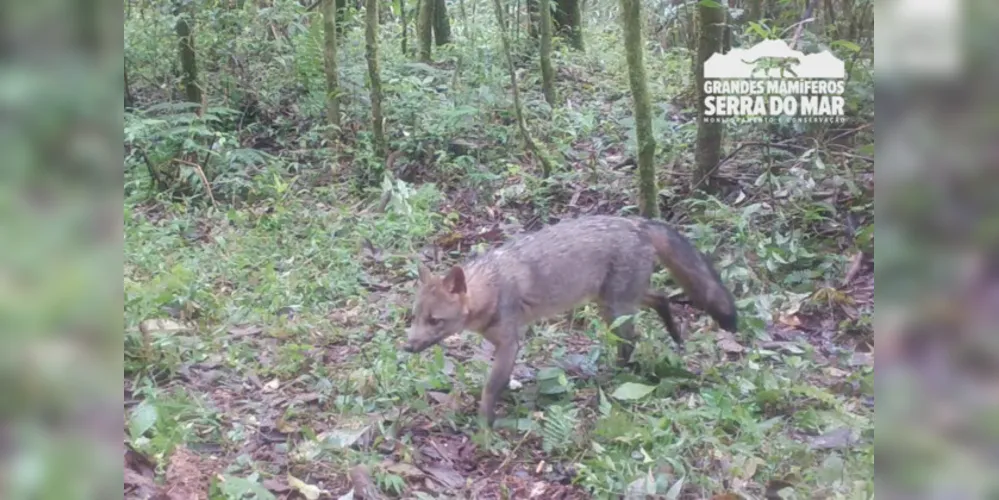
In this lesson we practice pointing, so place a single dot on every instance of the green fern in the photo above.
(558, 428)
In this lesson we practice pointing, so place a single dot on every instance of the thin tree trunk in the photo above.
(402, 20)
(709, 134)
(648, 192)
(424, 27)
(755, 10)
(546, 166)
(129, 99)
(568, 22)
(534, 18)
(374, 79)
(188, 57)
(329, 60)
(464, 20)
(547, 73)
(442, 24)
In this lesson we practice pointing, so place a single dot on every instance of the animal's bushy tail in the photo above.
(695, 274)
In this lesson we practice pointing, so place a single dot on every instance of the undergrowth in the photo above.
(271, 311)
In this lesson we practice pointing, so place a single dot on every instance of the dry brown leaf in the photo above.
(309, 491)
(791, 320)
(729, 345)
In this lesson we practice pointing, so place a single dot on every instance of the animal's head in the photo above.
(439, 310)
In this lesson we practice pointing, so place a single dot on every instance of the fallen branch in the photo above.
(204, 179)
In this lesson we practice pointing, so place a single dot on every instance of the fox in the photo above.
(608, 260)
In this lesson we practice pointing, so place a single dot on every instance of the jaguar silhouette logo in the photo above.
(770, 80)
(773, 59)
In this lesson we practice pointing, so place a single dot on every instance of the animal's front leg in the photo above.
(499, 375)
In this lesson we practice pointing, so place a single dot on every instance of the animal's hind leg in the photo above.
(659, 302)
(626, 331)
(622, 295)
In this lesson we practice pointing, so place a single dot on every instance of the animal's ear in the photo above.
(455, 280)
(425, 274)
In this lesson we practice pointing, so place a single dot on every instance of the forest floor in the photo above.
(262, 336)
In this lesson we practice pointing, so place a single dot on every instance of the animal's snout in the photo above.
(408, 347)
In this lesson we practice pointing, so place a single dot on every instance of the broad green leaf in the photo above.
(674, 491)
(143, 418)
(632, 390)
(848, 45)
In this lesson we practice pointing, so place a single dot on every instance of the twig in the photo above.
(513, 452)
(204, 179)
(793, 148)
(157, 182)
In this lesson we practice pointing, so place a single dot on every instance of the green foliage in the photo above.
(291, 294)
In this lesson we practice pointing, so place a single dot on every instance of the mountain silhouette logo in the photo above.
(773, 59)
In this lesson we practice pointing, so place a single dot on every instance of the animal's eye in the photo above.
(433, 321)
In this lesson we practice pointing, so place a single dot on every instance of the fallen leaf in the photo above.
(674, 491)
(841, 437)
(790, 320)
(750, 467)
(632, 391)
(832, 371)
(343, 437)
(309, 491)
(538, 489)
(276, 486)
(729, 345)
(245, 331)
(405, 470)
(445, 475)
(161, 326)
(272, 385)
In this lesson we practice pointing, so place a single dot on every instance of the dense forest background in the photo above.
(288, 162)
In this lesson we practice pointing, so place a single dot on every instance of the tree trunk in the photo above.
(547, 73)
(534, 18)
(546, 166)
(755, 10)
(568, 22)
(330, 63)
(709, 135)
(442, 25)
(374, 79)
(648, 192)
(424, 27)
(188, 58)
(129, 99)
(402, 20)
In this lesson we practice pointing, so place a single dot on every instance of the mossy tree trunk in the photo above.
(188, 57)
(424, 29)
(402, 21)
(648, 191)
(330, 63)
(709, 134)
(547, 73)
(374, 78)
(442, 24)
(568, 22)
(755, 10)
(534, 18)
(129, 99)
(546, 165)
